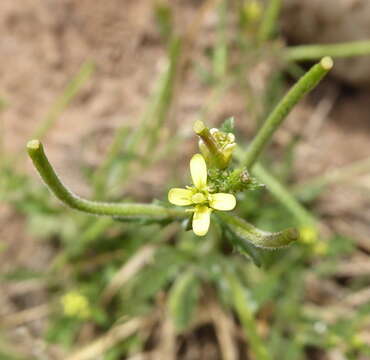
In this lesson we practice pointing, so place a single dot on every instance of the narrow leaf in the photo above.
(182, 300)
(228, 125)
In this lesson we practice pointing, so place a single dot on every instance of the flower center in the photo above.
(198, 198)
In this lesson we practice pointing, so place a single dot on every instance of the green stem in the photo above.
(295, 94)
(220, 54)
(268, 24)
(284, 196)
(127, 210)
(314, 52)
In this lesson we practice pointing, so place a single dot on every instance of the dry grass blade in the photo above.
(353, 267)
(141, 356)
(319, 115)
(336, 354)
(25, 316)
(129, 269)
(329, 314)
(358, 298)
(358, 230)
(101, 345)
(25, 287)
(225, 331)
(167, 345)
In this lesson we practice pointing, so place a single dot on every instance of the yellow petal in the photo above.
(222, 201)
(198, 171)
(201, 220)
(181, 197)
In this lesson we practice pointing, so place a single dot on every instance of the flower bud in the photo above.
(215, 145)
(226, 143)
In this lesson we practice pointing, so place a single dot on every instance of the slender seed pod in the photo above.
(121, 210)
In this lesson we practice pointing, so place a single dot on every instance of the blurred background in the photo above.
(113, 88)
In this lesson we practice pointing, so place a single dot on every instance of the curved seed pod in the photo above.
(259, 238)
(117, 210)
(304, 85)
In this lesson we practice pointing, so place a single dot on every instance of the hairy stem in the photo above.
(127, 210)
(314, 52)
(295, 94)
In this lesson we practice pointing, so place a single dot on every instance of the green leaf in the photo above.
(244, 309)
(63, 330)
(182, 299)
(155, 276)
(163, 15)
(245, 248)
(228, 125)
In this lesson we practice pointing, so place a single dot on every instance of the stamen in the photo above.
(198, 198)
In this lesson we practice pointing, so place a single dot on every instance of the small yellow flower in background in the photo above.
(76, 305)
(253, 11)
(357, 341)
(308, 234)
(320, 248)
(200, 198)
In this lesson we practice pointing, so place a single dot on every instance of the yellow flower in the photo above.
(200, 197)
(252, 11)
(76, 305)
(308, 234)
(320, 248)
